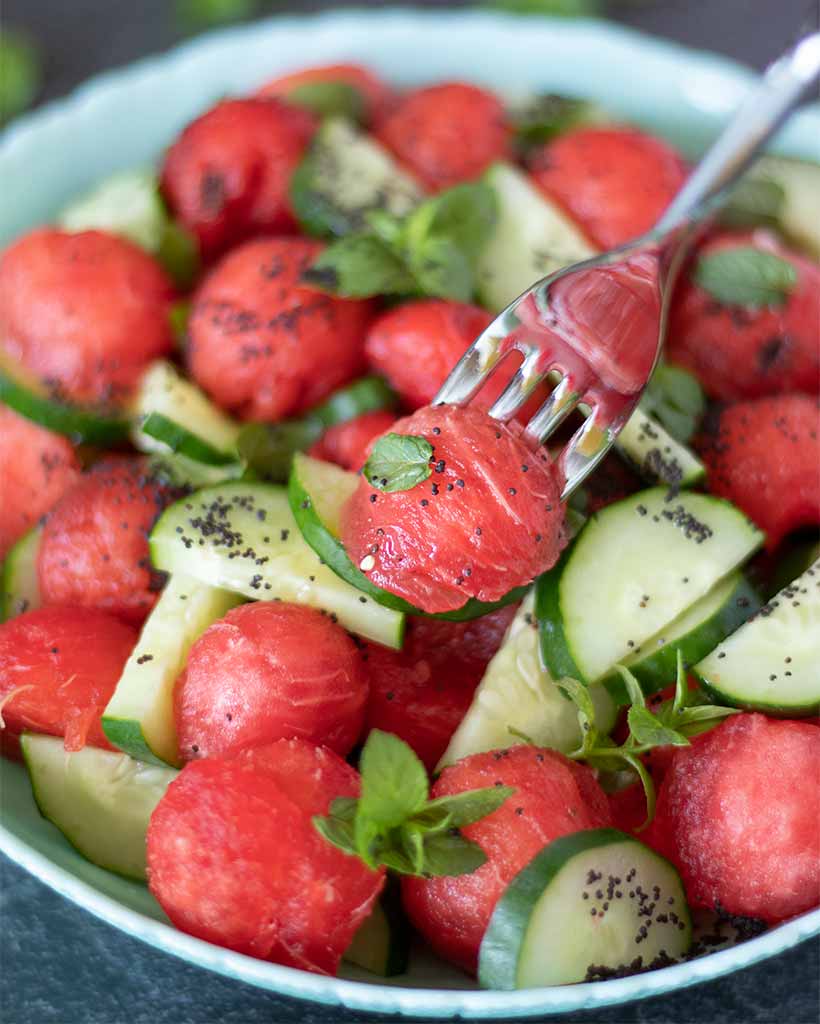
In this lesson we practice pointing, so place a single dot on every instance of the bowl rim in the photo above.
(358, 995)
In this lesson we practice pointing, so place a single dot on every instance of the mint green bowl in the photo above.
(125, 118)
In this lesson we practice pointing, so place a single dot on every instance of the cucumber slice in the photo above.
(694, 633)
(139, 718)
(531, 238)
(318, 491)
(772, 663)
(101, 801)
(518, 698)
(656, 455)
(20, 585)
(551, 926)
(800, 181)
(128, 203)
(634, 568)
(382, 943)
(243, 537)
(23, 392)
(345, 175)
(172, 414)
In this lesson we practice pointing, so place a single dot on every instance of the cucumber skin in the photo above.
(7, 571)
(555, 651)
(772, 710)
(332, 551)
(73, 422)
(501, 946)
(126, 735)
(181, 441)
(658, 670)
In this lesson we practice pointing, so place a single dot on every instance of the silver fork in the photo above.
(577, 325)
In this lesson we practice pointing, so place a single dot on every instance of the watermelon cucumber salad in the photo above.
(263, 602)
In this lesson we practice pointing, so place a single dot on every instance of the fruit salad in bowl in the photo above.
(332, 669)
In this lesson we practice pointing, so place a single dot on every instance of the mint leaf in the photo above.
(745, 276)
(337, 826)
(544, 117)
(327, 99)
(398, 462)
(394, 782)
(268, 448)
(465, 215)
(358, 267)
(446, 854)
(675, 398)
(443, 270)
(754, 202)
(465, 808)
(633, 687)
(649, 731)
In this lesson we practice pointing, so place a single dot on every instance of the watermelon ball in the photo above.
(58, 669)
(227, 176)
(37, 467)
(740, 816)
(348, 444)
(94, 549)
(263, 345)
(422, 692)
(744, 351)
(764, 456)
(553, 797)
(86, 313)
(446, 134)
(234, 859)
(269, 671)
(375, 95)
(487, 519)
(615, 182)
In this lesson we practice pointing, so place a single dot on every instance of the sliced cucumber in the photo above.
(139, 718)
(656, 455)
(101, 801)
(318, 491)
(589, 905)
(772, 663)
(128, 203)
(517, 700)
(21, 391)
(382, 943)
(694, 633)
(345, 175)
(172, 414)
(800, 181)
(633, 569)
(532, 238)
(20, 585)
(243, 537)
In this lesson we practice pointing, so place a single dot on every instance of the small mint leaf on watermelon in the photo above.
(746, 276)
(394, 782)
(395, 825)
(358, 267)
(675, 398)
(754, 202)
(328, 99)
(398, 462)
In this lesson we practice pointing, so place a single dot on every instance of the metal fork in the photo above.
(577, 325)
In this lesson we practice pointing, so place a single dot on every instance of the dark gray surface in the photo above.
(57, 963)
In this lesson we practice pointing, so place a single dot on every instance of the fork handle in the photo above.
(758, 118)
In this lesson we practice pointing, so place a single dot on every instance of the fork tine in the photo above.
(585, 449)
(471, 371)
(562, 400)
(526, 379)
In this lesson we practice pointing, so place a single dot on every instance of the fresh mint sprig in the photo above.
(430, 251)
(669, 725)
(395, 824)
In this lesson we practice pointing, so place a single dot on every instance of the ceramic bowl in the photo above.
(124, 119)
